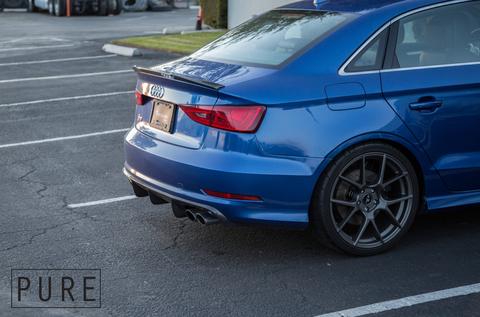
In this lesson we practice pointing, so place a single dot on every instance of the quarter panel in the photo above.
(345, 96)
(313, 129)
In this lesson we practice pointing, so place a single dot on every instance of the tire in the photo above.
(2, 4)
(115, 7)
(159, 5)
(366, 201)
(59, 7)
(51, 7)
(82, 9)
(103, 7)
(135, 5)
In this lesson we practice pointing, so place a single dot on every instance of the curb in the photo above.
(121, 50)
(176, 30)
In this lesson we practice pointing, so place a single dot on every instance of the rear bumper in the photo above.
(161, 190)
(181, 174)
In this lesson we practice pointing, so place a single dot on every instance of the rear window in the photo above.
(272, 38)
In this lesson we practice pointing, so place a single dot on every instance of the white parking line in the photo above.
(23, 103)
(34, 47)
(16, 80)
(73, 137)
(101, 202)
(58, 60)
(406, 302)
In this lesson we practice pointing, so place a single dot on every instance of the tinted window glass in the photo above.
(440, 36)
(371, 57)
(271, 38)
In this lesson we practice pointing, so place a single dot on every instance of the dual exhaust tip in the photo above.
(179, 210)
(203, 217)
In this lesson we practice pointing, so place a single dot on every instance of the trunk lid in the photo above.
(188, 81)
(175, 90)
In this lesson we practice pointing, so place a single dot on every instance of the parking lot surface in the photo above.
(64, 203)
(22, 26)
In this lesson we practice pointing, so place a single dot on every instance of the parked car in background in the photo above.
(78, 7)
(349, 117)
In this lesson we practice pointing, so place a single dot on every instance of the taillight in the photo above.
(231, 196)
(245, 119)
(140, 98)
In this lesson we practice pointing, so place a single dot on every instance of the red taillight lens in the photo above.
(245, 119)
(200, 114)
(140, 99)
(231, 196)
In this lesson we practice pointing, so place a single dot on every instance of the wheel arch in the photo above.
(412, 152)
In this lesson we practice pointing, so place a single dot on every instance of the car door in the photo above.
(433, 83)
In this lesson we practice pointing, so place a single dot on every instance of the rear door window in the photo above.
(440, 36)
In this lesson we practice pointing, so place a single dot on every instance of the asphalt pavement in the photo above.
(152, 263)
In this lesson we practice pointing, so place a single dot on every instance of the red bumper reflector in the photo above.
(231, 196)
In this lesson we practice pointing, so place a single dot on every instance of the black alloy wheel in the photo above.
(367, 200)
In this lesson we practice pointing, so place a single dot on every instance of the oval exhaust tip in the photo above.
(201, 219)
(191, 215)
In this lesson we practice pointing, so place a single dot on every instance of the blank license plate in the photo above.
(162, 116)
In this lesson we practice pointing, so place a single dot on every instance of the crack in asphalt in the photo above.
(78, 215)
(42, 231)
(181, 231)
(24, 178)
(45, 230)
(31, 239)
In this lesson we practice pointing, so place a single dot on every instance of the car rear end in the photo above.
(196, 145)
(203, 156)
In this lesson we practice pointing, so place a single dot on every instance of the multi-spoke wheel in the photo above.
(367, 200)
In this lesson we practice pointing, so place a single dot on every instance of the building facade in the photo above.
(240, 11)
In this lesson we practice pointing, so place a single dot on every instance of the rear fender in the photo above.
(433, 184)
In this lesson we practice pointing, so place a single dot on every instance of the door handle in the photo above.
(426, 106)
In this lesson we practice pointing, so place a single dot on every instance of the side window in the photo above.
(440, 36)
(371, 57)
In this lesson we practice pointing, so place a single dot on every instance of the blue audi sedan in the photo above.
(348, 117)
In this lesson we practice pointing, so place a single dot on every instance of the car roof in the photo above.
(362, 7)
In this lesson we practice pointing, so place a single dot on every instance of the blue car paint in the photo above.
(450, 134)
(309, 121)
(345, 96)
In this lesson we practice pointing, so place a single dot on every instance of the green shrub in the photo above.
(215, 13)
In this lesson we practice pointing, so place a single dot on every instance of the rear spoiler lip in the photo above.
(177, 77)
